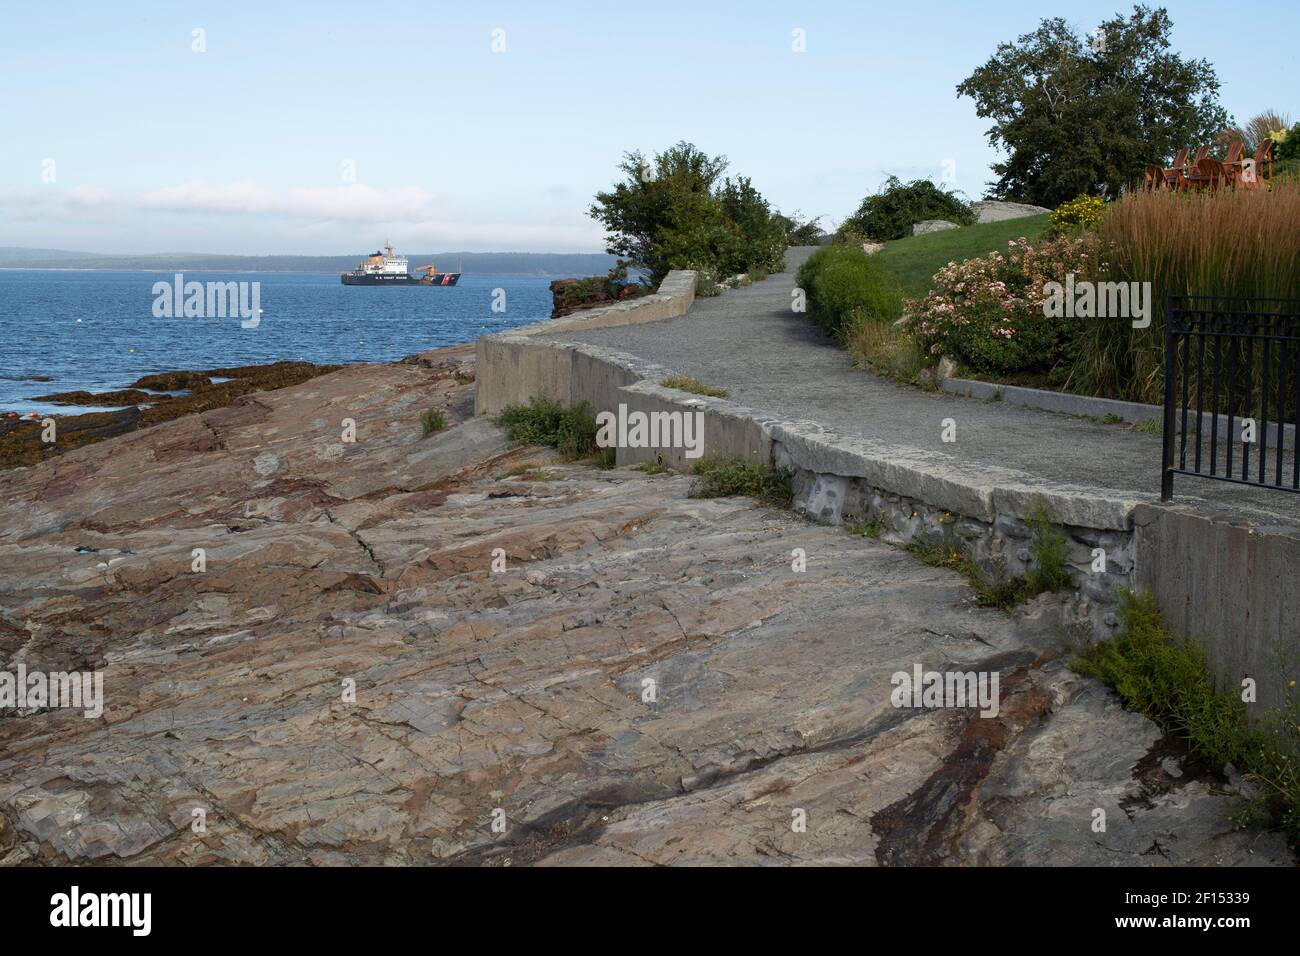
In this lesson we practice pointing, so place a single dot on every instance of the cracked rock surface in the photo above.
(646, 682)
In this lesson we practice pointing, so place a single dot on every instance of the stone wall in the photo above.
(1230, 588)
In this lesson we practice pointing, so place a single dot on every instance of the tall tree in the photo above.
(652, 199)
(1080, 114)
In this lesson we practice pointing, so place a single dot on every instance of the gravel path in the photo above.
(751, 343)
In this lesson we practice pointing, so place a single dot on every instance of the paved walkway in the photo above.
(751, 343)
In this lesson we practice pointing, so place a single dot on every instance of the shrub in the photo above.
(987, 313)
(1082, 212)
(432, 421)
(891, 213)
(844, 284)
(1288, 143)
(677, 212)
(798, 232)
(542, 422)
(725, 477)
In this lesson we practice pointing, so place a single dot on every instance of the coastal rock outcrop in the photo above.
(410, 649)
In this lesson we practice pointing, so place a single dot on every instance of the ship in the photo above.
(388, 268)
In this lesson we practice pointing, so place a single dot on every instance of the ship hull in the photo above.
(439, 278)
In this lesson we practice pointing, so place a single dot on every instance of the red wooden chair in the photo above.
(1190, 177)
(1173, 175)
(1232, 163)
(1209, 174)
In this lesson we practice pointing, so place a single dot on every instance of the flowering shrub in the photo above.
(1085, 211)
(988, 313)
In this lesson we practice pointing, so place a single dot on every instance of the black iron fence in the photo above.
(1232, 387)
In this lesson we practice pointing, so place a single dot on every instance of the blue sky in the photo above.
(115, 136)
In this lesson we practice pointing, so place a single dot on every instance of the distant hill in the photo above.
(472, 263)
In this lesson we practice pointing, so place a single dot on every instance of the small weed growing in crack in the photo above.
(868, 529)
(684, 384)
(432, 421)
(1149, 427)
(1049, 571)
(725, 477)
(1000, 591)
(994, 398)
(651, 468)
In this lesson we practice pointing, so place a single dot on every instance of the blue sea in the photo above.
(97, 330)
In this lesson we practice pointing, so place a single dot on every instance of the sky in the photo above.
(324, 128)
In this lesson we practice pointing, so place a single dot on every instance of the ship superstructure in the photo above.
(388, 268)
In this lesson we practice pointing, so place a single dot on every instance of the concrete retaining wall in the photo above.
(514, 366)
(1230, 588)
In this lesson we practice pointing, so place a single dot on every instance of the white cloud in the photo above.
(340, 216)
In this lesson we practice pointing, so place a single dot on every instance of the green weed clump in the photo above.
(685, 384)
(571, 431)
(1049, 571)
(1170, 682)
(728, 477)
(432, 421)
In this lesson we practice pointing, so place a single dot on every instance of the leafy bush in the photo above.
(676, 212)
(1288, 144)
(799, 232)
(1082, 212)
(843, 285)
(987, 313)
(891, 213)
(542, 422)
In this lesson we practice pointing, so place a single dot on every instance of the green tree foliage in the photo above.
(892, 212)
(678, 212)
(1084, 115)
(799, 232)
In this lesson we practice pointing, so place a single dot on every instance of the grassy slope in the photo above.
(915, 260)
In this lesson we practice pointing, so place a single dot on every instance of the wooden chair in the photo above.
(1191, 175)
(1232, 163)
(1209, 174)
(1173, 175)
(1154, 178)
(1264, 155)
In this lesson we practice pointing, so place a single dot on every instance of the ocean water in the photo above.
(96, 330)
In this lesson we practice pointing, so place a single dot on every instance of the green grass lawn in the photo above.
(914, 261)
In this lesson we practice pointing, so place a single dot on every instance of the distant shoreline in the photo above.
(300, 272)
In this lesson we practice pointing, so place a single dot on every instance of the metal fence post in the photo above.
(1167, 452)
